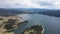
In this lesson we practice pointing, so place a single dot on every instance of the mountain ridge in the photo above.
(11, 12)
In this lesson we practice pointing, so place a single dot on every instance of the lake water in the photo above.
(50, 23)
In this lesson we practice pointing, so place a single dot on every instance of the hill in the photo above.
(11, 12)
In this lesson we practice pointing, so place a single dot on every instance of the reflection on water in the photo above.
(51, 24)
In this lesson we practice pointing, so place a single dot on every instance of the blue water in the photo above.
(50, 23)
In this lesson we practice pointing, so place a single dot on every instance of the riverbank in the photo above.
(7, 24)
(37, 29)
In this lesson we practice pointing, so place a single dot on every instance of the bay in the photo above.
(51, 24)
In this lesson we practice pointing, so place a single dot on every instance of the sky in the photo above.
(46, 4)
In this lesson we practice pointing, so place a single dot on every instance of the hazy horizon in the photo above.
(40, 4)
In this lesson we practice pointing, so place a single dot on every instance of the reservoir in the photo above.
(51, 24)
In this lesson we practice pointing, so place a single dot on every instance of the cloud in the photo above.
(48, 4)
(51, 4)
(45, 4)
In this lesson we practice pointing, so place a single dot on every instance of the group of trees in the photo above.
(6, 12)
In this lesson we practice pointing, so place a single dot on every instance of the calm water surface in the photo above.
(50, 23)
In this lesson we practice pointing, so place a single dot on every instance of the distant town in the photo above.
(11, 12)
